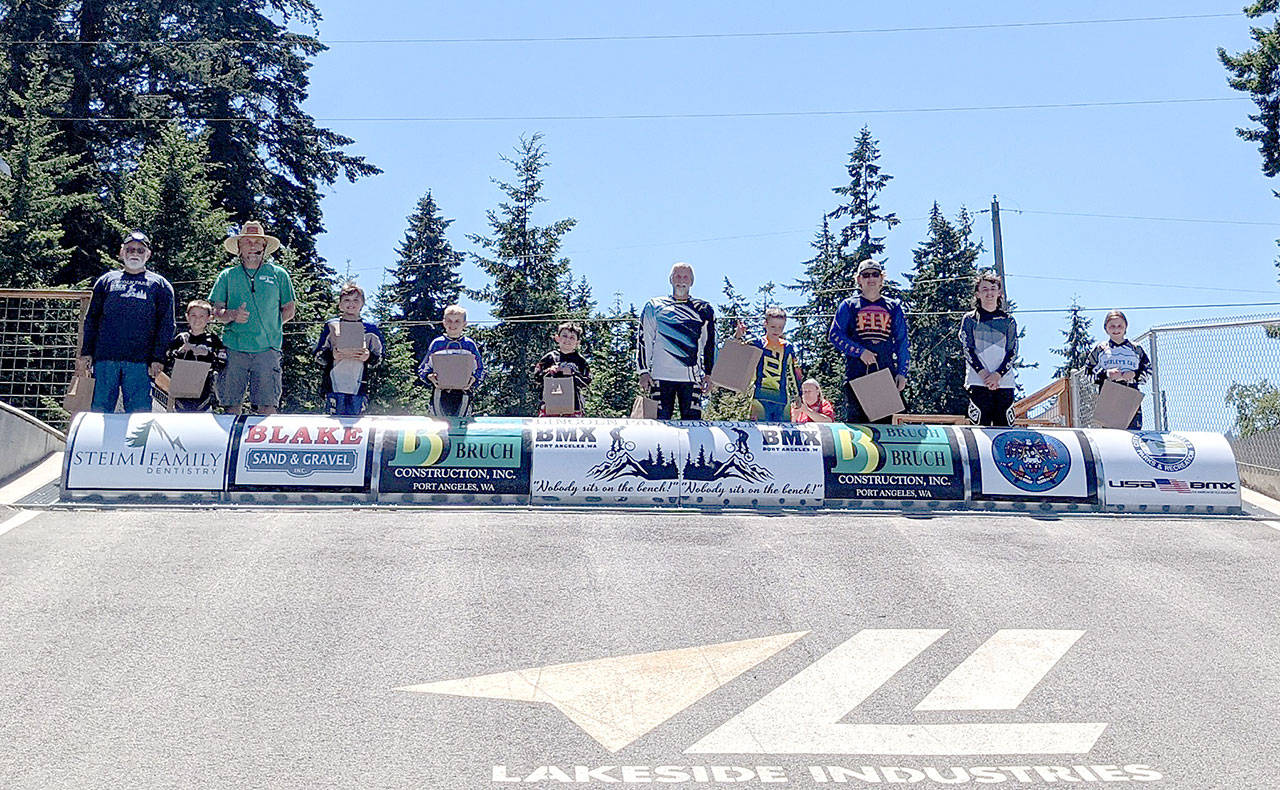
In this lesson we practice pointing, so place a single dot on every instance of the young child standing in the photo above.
(1119, 360)
(989, 336)
(565, 362)
(776, 364)
(197, 344)
(344, 380)
(452, 402)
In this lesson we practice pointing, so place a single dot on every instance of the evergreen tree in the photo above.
(425, 278)
(393, 385)
(171, 196)
(726, 404)
(941, 289)
(1079, 341)
(860, 209)
(612, 355)
(521, 258)
(810, 326)
(34, 201)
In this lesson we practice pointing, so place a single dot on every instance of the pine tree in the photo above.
(393, 387)
(941, 289)
(1079, 341)
(817, 356)
(35, 200)
(866, 181)
(521, 258)
(425, 278)
(171, 197)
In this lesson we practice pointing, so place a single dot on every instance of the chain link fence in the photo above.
(39, 341)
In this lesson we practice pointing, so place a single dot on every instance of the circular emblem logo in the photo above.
(1164, 451)
(1031, 461)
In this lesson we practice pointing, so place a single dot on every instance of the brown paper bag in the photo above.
(1116, 405)
(644, 408)
(188, 378)
(348, 335)
(735, 367)
(79, 395)
(453, 369)
(558, 395)
(877, 394)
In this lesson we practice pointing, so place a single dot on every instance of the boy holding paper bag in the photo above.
(349, 346)
(452, 397)
(564, 365)
(189, 354)
(777, 364)
(870, 329)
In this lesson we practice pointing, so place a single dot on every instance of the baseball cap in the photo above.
(870, 264)
(137, 236)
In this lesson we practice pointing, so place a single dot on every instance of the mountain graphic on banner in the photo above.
(663, 467)
(708, 469)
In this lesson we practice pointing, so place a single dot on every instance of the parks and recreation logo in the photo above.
(301, 451)
(1033, 462)
(1164, 451)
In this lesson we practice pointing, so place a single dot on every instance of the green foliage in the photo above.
(527, 280)
(392, 385)
(612, 355)
(1257, 407)
(34, 202)
(941, 288)
(1079, 341)
(171, 196)
(425, 279)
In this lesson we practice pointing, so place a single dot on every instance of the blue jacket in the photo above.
(445, 343)
(130, 318)
(882, 318)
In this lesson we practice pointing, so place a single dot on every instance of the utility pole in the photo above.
(998, 244)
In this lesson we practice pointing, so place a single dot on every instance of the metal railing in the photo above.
(39, 342)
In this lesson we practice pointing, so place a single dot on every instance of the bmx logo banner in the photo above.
(606, 462)
(895, 462)
(483, 456)
(303, 452)
(746, 464)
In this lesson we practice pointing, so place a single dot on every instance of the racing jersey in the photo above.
(1124, 356)
(878, 326)
(675, 342)
(778, 360)
(990, 342)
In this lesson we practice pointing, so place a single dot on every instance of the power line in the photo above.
(307, 120)
(1142, 218)
(643, 37)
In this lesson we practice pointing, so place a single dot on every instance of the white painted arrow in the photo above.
(617, 700)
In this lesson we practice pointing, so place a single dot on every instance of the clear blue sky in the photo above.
(743, 197)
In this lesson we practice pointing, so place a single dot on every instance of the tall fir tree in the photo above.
(941, 289)
(523, 260)
(1079, 341)
(1256, 72)
(172, 197)
(38, 195)
(393, 386)
(425, 279)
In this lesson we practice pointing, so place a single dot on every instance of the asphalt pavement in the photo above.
(288, 648)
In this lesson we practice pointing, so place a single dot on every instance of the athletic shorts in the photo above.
(259, 371)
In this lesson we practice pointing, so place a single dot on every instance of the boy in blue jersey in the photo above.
(452, 402)
(127, 329)
(870, 329)
(344, 380)
(776, 363)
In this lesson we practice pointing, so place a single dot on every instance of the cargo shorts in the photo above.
(260, 371)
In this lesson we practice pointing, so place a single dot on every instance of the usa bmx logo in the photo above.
(1164, 451)
(1031, 461)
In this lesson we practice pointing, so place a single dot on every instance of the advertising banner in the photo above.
(745, 464)
(481, 457)
(891, 462)
(1151, 469)
(303, 452)
(586, 461)
(153, 452)
(1037, 465)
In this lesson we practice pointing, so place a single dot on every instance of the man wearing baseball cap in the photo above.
(263, 299)
(871, 331)
(127, 329)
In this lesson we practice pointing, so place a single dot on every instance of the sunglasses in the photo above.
(871, 274)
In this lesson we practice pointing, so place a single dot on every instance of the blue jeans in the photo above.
(111, 377)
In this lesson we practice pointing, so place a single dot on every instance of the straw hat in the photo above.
(250, 230)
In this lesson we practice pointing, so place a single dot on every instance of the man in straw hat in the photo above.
(254, 336)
